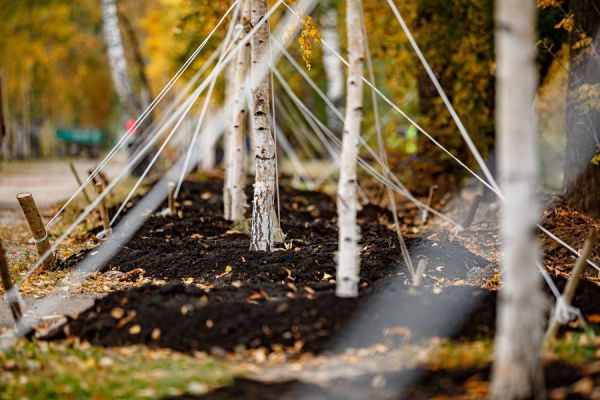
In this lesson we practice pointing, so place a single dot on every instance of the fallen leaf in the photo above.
(117, 313)
(128, 318)
(134, 330)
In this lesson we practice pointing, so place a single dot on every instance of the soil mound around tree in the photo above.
(202, 245)
(293, 319)
(234, 298)
(190, 319)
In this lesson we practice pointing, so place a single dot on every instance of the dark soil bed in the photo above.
(285, 299)
(191, 319)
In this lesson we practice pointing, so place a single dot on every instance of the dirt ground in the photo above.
(197, 287)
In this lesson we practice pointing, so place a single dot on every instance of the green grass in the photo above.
(41, 370)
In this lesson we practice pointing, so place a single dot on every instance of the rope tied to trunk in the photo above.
(40, 240)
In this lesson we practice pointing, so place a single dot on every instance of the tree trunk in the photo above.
(227, 132)
(264, 186)
(121, 80)
(146, 92)
(348, 260)
(582, 178)
(332, 64)
(237, 162)
(517, 370)
(116, 58)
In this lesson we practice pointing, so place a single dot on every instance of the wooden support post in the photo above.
(421, 268)
(15, 307)
(103, 211)
(104, 179)
(36, 226)
(172, 208)
(425, 215)
(94, 180)
(472, 211)
(100, 177)
(79, 182)
(571, 287)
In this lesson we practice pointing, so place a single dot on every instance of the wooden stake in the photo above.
(425, 215)
(103, 211)
(172, 208)
(472, 211)
(36, 226)
(100, 177)
(104, 179)
(571, 287)
(78, 179)
(94, 180)
(15, 307)
(421, 268)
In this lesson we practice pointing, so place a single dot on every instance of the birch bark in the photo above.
(332, 64)
(116, 58)
(264, 145)
(517, 370)
(348, 255)
(227, 156)
(237, 176)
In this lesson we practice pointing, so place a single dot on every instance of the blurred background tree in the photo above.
(54, 72)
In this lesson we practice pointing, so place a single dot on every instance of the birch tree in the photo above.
(116, 58)
(120, 77)
(517, 372)
(348, 260)
(236, 173)
(331, 63)
(264, 145)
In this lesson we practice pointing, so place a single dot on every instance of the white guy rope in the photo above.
(208, 81)
(295, 161)
(383, 154)
(461, 128)
(142, 117)
(122, 232)
(397, 188)
(476, 176)
(563, 312)
(288, 28)
(200, 122)
(330, 104)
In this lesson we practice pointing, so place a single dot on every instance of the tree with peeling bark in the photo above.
(263, 211)
(117, 60)
(348, 253)
(331, 63)
(235, 203)
(517, 370)
(119, 73)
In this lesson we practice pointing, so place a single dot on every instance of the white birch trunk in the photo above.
(332, 64)
(227, 151)
(116, 58)
(237, 162)
(209, 159)
(517, 372)
(264, 186)
(348, 255)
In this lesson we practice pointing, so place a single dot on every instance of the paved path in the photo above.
(74, 305)
(50, 181)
